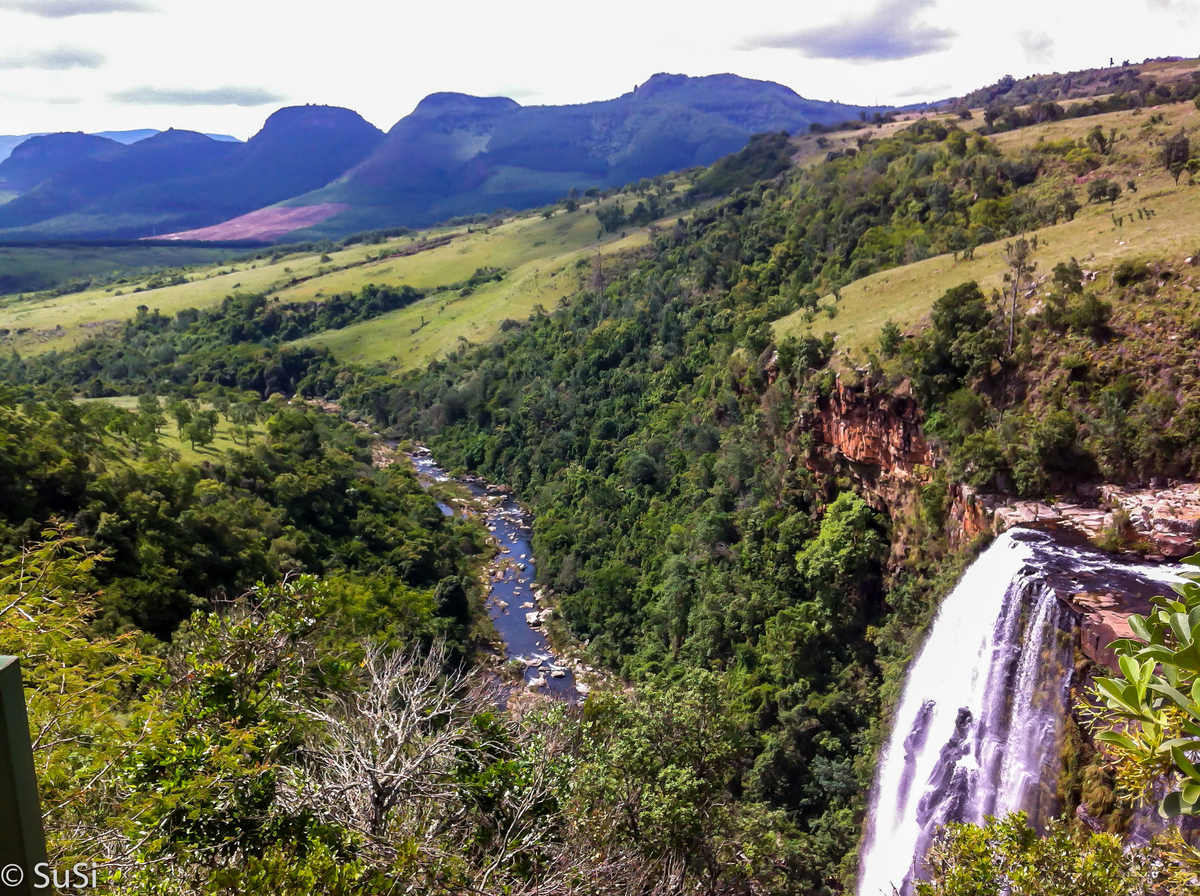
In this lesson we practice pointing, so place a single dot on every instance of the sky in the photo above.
(222, 66)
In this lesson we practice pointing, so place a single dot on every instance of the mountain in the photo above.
(10, 142)
(175, 179)
(453, 155)
(42, 157)
(143, 133)
(458, 154)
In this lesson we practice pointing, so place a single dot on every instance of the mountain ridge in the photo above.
(454, 154)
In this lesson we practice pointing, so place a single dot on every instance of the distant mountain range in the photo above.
(333, 173)
(10, 142)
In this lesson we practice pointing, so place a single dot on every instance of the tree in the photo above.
(201, 429)
(1068, 204)
(612, 218)
(890, 339)
(1008, 858)
(1019, 257)
(244, 413)
(181, 412)
(1175, 153)
(1097, 141)
(150, 412)
(1104, 190)
(78, 684)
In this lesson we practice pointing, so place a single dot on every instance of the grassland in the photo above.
(439, 323)
(532, 251)
(169, 438)
(905, 294)
(34, 268)
(64, 321)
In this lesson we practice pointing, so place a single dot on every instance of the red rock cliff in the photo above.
(876, 435)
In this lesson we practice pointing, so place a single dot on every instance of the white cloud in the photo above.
(63, 9)
(1038, 45)
(380, 57)
(186, 96)
(56, 59)
(892, 30)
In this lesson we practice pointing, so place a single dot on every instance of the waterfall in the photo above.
(980, 720)
(976, 732)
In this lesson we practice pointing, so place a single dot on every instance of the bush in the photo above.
(1131, 272)
(1089, 315)
(890, 339)
(1104, 190)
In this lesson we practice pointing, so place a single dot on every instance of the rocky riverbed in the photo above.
(518, 606)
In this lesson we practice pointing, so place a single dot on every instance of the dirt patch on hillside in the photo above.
(264, 224)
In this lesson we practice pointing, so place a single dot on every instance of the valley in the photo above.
(537, 256)
(758, 513)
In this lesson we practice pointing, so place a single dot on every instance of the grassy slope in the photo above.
(532, 250)
(28, 268)
(169, 437)
(206, 287)
(905, 294)
(434, 326)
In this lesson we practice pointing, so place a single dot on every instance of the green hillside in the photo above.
(904, 294)
(533, 252)
(29, 269)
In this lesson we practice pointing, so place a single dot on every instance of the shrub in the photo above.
(1089, 315)
(1104, 190)
(1131, 272)
(1082, 161)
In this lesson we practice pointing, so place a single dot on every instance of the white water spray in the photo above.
(980, 721)
(979, 717)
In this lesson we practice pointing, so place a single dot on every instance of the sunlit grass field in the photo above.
(905, 294)
(530, 249)
(169, 438)
(440, 323)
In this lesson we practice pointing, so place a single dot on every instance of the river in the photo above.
(513, 598)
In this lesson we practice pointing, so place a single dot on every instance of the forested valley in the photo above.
(266, 668)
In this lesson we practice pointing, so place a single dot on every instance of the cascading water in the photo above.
(978, 728)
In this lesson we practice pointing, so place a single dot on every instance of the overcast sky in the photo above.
(224, 65)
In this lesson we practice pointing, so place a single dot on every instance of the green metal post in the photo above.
(22, 840)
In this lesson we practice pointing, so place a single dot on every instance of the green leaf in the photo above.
(1130, 668)
(1171, 806)
(1189, 795)
(1184, 701)
(1184, 764)
(1118, 739)
(1181, 626)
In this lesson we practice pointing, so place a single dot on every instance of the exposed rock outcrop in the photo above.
(1160, 522)
(877, 435)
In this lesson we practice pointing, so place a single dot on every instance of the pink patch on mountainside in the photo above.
(264, 224)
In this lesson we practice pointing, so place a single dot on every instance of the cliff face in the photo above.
(876, 438)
